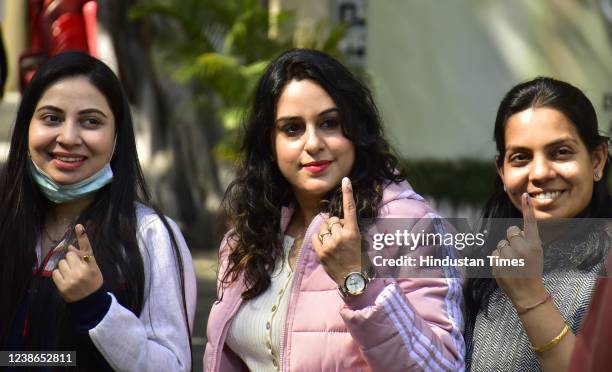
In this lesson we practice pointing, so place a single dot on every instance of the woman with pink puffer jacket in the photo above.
(294, 292)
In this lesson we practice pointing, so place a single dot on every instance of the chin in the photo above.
(316, 190)
(553, 214)
(64, 180)
(544, 215)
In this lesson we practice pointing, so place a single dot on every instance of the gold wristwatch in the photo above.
(354, 284)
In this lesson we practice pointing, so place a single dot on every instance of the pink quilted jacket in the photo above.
(396, 325)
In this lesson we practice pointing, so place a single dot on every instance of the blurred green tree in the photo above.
(220, 49)
(189, 67)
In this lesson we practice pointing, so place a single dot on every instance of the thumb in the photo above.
(317, 245)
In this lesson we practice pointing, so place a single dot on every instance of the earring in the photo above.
(505, 189)
(597, 175)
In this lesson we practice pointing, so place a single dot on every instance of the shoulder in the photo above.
(148, 219)
(226, 246)
(401, 201)
(154, 236)
(146, 216)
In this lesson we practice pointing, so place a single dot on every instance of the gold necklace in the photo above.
(53, 243)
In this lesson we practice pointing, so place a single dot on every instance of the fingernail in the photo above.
(526, 197)
(346, 182)
(82, 229)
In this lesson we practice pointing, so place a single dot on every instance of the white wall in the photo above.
(439, 68)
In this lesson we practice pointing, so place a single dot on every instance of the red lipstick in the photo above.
(317, 166)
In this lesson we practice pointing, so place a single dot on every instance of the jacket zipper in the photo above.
(296, 280)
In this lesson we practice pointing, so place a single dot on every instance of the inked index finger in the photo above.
(530, 224)
(84, 245)
(348, 204)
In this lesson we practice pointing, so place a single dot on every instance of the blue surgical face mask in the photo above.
(65, 193)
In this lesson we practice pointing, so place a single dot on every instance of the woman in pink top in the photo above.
(293, 294)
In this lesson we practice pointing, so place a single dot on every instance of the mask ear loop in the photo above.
(114, 147)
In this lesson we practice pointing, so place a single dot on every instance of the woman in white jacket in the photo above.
(85, 263)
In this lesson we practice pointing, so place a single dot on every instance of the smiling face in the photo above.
(545, 157)
(72, 131)
(310, 149)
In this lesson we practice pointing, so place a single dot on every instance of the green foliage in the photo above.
(329, 44)
(221, 48)
(465, 181)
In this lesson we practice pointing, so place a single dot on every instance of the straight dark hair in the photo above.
(110, 220)
(253, 201)
(571, 101)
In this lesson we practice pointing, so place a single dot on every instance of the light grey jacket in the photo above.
(158, 340)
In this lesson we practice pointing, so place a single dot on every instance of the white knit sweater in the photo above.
(255, 333)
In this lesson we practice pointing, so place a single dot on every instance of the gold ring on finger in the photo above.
(321, 236)
(501, 245)
(87, 258)
(334, 223)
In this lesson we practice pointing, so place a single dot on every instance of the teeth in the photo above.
(548, 195)
(69, 160)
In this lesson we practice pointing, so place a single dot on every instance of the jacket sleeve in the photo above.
(159, 338)
(410, 324)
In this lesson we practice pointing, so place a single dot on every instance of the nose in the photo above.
(69, 134)
(541, 169)
(314, 142)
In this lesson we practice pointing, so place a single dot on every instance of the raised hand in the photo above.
(522, 284)
(338, 244)
(78, 275)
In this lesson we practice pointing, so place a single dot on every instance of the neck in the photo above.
(554, 230)
(65, 212)
(307, 209)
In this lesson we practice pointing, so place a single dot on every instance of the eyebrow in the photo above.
(290, 118)
(85, 111)
(548, 145)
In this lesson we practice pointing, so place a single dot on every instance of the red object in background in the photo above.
(90, 11)
(592, 349)
(68, 33)
(57, 26)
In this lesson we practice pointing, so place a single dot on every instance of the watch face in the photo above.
(355, 283)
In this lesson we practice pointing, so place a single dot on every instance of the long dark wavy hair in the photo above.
(110, 220)
(254, 199)
(571, 101)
